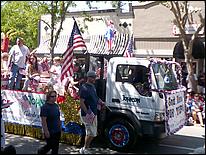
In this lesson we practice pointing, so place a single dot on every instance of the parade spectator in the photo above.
(10, 149)
(89, 103)
(55, 74)
(4, 70)
(191, 83)
(193, 110)
(200, 104)
(184, 75)
(4, 62)
(45, 64)
(17, 60)
(55, 71)
(33, 71)
(5, 149)
(51, 124)
(201, 83)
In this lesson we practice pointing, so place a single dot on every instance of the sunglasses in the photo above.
(53, 96)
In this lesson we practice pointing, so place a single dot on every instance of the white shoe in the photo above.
(81, 151)
(84, 151)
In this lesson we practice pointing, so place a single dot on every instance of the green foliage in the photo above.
(22, 17)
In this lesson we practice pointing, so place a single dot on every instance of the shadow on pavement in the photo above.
(175, 144)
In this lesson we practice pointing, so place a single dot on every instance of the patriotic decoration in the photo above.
(110, 34)
(75, 41)
(129, 51)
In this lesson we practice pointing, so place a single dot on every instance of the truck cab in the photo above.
(142, 97)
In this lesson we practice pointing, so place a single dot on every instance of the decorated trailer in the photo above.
(142, 96)
(21, 115)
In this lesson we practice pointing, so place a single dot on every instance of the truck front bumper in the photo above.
(154, 129)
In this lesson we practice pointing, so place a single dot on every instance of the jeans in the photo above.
(51, 143)
(15, 74)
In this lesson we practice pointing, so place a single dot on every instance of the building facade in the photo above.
(150, 22)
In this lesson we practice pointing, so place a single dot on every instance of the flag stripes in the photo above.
(75, 41)
(129, 51)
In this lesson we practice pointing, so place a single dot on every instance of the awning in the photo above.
(198, 50)
(96, 45)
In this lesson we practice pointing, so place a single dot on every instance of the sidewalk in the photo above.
(28, 145)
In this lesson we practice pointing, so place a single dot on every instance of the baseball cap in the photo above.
(91, 74)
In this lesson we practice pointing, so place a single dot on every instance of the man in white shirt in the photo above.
(17, 61)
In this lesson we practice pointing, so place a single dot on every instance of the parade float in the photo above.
(22, 115)
(155, 102)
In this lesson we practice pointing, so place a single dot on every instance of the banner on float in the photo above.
(24, 107)
(175, 112)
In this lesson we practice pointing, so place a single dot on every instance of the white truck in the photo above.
(143, 97)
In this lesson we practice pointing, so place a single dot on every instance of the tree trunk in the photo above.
(191, 81)
(52, 33)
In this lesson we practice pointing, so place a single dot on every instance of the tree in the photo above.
(57, 10)
(22, 18)
(183, 13)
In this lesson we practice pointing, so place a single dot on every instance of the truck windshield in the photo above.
(165, 76)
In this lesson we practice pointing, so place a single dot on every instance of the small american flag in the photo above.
(129, 51)
(75, 41)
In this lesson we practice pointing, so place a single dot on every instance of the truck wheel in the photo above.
(120, 135)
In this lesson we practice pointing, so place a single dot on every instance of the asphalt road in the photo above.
(188, 139)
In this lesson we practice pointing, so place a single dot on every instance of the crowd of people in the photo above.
(20, 64)
(22, 69)
(195, 101)
(195, 105)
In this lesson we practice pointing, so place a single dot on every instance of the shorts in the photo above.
(91, 129)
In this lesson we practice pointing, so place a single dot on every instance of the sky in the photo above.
(82, 6)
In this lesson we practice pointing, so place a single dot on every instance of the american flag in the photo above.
(75, 41)
(129, 51)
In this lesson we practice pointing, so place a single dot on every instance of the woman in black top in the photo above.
(50, 117)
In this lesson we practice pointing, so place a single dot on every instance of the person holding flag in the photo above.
(109, 36)
(89, 104)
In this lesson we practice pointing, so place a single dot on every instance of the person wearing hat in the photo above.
(55, 74)
(17, 62)
(89, 104)
(55, 71)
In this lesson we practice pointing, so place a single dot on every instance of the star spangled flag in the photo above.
(75, 41)
(129, 50)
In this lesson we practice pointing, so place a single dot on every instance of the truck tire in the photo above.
(120, 135)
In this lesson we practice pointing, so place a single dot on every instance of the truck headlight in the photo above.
(159, 116)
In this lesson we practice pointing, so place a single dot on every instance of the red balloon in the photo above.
(60, 99)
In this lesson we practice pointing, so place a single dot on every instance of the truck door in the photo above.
(130, 90)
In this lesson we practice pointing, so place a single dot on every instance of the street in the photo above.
(185, 141)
